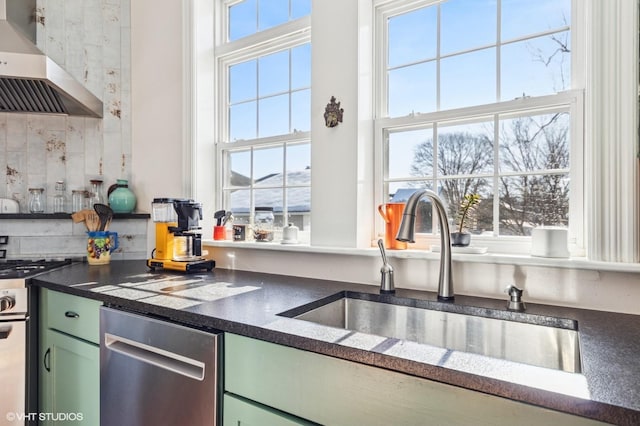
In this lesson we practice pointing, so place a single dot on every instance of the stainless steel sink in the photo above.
(530, 339)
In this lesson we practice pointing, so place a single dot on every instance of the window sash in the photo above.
(569, 100)
(228, 53)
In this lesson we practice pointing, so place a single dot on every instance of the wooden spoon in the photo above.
(92, 221)
(80, 215)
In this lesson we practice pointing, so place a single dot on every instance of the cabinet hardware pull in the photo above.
(71, 314)
(46, 360)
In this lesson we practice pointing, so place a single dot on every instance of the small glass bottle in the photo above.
(96, 196)
(36, 203)
(263, 224)
(59, 200)
(77, 200)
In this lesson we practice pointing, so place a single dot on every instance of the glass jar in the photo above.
(95, 195)
(78, 197)
(36, 201)
(59, 199)
(263, 224)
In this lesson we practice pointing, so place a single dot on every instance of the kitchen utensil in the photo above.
(92, 220)
(79, 216)
(105, 213)
(228, 217)
(218, 216)
(386, 272)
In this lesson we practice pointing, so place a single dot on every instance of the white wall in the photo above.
(157, 102)
(570, 283)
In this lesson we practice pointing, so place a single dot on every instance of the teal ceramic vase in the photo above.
(121, 198)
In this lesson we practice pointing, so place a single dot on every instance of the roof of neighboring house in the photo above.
(298, 193)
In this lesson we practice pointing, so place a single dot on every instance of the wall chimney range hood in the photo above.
(30, 82)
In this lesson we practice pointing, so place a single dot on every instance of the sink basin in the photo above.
(530, 339)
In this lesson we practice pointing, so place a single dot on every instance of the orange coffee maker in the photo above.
(392, 215)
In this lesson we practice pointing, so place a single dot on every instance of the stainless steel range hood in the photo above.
(30, 82)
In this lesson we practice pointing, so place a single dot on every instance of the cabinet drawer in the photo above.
(241, 412)
(77, 316)
(338, 392)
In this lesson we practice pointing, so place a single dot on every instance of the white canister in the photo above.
(290, 234)
(550, 242)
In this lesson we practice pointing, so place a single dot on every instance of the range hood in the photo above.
(30, 82)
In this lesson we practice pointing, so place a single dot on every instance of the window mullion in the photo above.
(496, 176)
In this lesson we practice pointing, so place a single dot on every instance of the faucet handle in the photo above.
(515, 299)
(386, 280)
(386, 272)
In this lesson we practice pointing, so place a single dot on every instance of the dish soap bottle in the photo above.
(121, 198)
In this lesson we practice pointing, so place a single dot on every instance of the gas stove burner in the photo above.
(20, 268)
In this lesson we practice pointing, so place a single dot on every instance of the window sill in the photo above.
(486, 258)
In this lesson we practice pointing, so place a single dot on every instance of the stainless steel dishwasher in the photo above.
(154, 372)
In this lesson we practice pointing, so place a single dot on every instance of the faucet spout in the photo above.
(407, 231)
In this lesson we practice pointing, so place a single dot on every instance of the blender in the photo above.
(178, 236)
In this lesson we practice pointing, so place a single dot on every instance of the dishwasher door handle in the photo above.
(170, 361)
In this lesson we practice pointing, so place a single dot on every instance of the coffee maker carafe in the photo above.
(178, 236)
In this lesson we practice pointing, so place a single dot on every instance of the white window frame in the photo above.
(574, 98)
(603, 32)
(227, 54)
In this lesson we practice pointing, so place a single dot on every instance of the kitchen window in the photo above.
(481, 97)
(503, 102)
(263, 148)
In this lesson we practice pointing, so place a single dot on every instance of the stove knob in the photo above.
(6, 303)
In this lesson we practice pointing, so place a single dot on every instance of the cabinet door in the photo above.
(70, 380)
(241, 412)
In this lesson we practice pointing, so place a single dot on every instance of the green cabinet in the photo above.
(333, 391)
(241, 412)
(69, 388)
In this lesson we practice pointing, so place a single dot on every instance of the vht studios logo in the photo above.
(51, 417)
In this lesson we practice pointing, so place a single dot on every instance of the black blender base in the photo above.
(190, 266)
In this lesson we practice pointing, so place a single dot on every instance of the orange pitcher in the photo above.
(392, 215)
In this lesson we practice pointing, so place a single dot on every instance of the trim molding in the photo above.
(611, 183)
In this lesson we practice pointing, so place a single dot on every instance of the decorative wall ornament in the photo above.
(333, 113)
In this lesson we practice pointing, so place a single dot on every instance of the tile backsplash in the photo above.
(91, 40)
(61, 238)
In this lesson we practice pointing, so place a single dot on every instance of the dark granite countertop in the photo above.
(248, 303)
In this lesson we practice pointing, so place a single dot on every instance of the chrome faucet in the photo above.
(407, 230)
